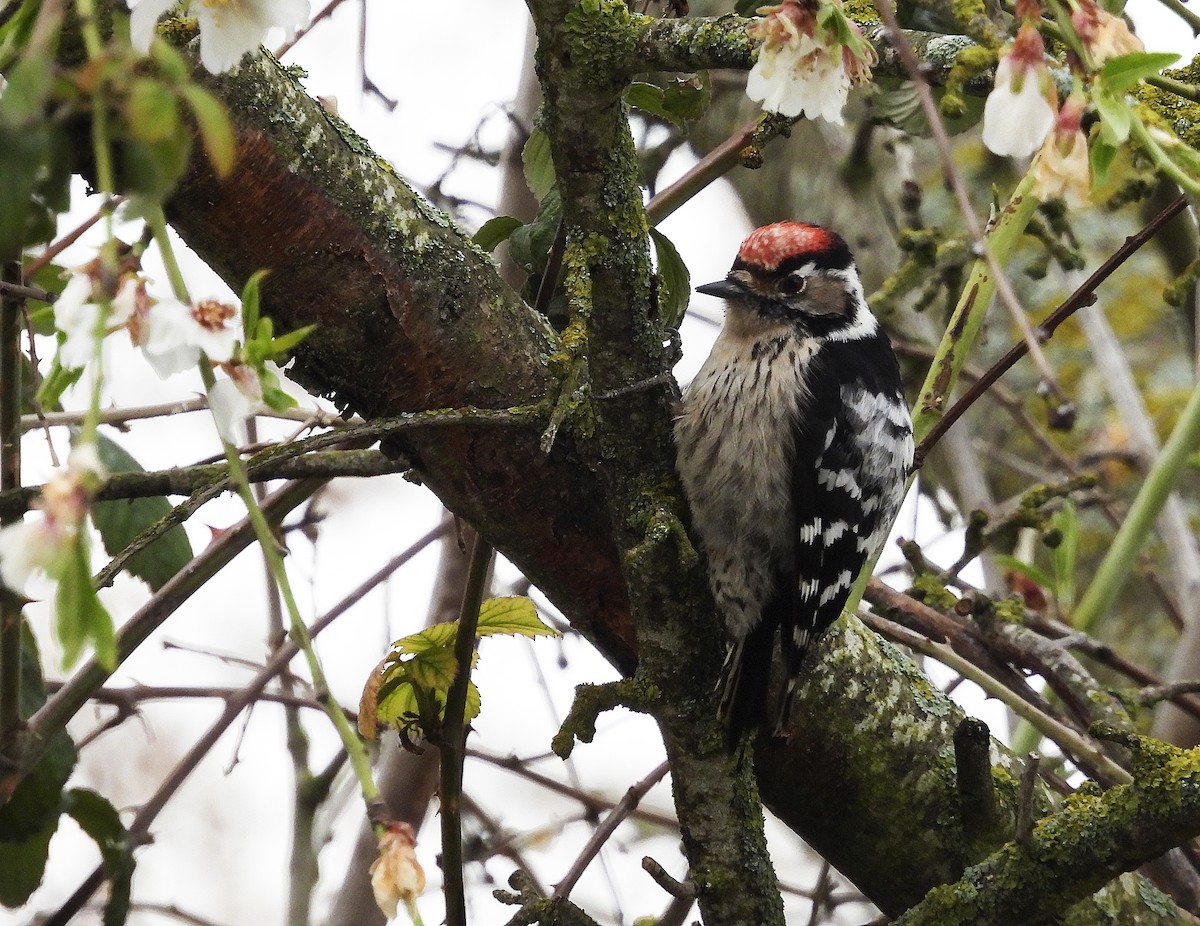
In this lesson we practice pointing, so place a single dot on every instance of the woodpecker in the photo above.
(794, 442)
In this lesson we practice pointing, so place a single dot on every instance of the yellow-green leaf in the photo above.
(514, 615)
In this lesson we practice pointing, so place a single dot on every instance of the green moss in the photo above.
(603, 36)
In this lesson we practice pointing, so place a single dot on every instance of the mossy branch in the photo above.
(593, 700)
(1073, 852)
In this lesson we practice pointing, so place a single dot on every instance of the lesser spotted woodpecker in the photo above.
(794, 442)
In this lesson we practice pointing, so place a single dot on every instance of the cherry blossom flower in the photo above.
(803, 67)
(172, 334)
(43, 541)
(78, 310)
(396, 875)
(229, 29)
(1103, 35)
(1019, 112)
(1062, 168)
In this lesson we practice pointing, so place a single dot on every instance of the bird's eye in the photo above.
(793, 284)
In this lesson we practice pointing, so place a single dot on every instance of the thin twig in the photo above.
(961, 195)
(1082, 296)
(607, 827)
(139, 827)
(453, 736)
(1069, 740)
(1025, 799)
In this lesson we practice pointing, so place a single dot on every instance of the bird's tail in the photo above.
(745, 677)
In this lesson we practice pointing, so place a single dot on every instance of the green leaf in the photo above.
(22, 865)
(55, 383)
(284, 344)
(687, 98)
(530, 244)
(1121, 73)
(674, 281)
(443, 634)
(121, 520)
(1101, 155)
(216, 131)
(495, 231)
(35, 803)
(539, 166)
(152, 111)
(433, 668)
(515, 616)
(396, 701)
(100, 820)
(251, 303)
(1116, 119)
(80, 617)
(648, 98)
(23, 152)
(154, 168)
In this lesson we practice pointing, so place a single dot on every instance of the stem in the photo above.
(158, 227)
(1122, 553)
(453, 741)
(80, 687)
(355, 750)
(10, 478)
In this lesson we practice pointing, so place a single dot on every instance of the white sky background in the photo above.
(221, 846)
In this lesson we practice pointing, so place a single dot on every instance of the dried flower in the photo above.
(1062, 168)
(397, 876)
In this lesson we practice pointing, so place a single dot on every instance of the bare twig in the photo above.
(1082, 296)
(607, 827)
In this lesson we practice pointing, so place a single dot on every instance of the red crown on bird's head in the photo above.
(771, 245)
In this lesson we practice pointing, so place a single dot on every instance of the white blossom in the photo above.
(800, 78)
(42, 541)
(1020, 110)
(172, 334)
(234, 399)
(802, 66)
(229, 29)
(77, 313)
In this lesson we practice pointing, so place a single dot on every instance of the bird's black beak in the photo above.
(724, 289)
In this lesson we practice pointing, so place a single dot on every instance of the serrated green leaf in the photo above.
(151, 110)
(100, 820)
(515, 615)
(1121, 73)
(121, 520)
(443, 634)
(216, 131)
(648, 98)
(473, 703)
(396, 702)
(495, 231)
(80, 618)
(539, 166)
(433, 668)
(674, 281)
